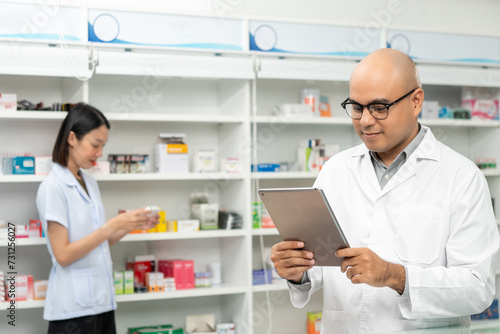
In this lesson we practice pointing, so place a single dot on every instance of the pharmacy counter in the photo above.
(477, 327)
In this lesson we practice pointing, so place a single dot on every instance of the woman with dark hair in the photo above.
(80, 295)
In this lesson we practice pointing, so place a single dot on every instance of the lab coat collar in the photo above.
(69, 179)
(427, 150)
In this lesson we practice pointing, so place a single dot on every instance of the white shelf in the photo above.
(134, 177)
(134, 297)
(459, 122)
(303, 120)
(280, 286)
(148, 117)
(126, 117)
(25, 242)
(147, 237)
(222, 289)
(33, 115)
(284, 175)
(265, 231)
(21, 178)
(347, 121)
(183, 235)
(26, 304)
(168, 177)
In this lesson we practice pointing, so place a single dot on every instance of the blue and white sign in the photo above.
(443, 47)
(42, 22)
(149, 29)
(313, 39)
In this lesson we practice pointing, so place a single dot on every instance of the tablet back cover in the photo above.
(303, 214)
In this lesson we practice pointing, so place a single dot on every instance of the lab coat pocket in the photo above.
(333, 322)
(420, 230)
(88, 286)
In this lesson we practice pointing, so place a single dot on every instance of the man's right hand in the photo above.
(290, 260)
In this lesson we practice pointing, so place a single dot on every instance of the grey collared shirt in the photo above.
(384, 173)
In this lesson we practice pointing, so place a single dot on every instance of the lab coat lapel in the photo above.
(361, 152)
(427, 150)
(70, 180)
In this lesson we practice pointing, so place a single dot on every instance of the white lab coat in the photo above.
(86, 286)
(434, 216)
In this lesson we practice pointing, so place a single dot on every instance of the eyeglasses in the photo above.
(377, 110)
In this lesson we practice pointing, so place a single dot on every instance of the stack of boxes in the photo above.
(23, 288)
(181, 270)
(124, 282)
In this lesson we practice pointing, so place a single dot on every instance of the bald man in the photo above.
(418, 217)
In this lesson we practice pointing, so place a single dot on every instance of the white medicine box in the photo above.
(8, 102)
(204, 161)
(171, 153)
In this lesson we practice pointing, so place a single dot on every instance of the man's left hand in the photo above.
(362, 265)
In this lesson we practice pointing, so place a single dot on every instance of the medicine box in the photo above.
(266, 168)
(188, 225)
(100, 167)
(230, 165)
(263, 276)
(23, 165)
(40, 289)
(204, 161)
(181, 270)
(314, 322)
(35, 228)
(430, 110)
(162, 222)
(119, 285)
(482, 109)
(161, 331)
(22, 231)
(43, 165)
(8, 102)
(141, 264)
(135, 330)
(23, 288)
(154, 282)
(172, 226)
(128, 282)
(171, 153)
(207, 214)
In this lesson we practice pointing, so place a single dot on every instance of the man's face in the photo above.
(391, 135)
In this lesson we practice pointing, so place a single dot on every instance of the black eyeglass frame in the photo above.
(367, 106)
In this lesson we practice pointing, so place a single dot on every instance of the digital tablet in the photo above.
(303, 214)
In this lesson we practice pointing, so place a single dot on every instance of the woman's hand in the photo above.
(139, 219)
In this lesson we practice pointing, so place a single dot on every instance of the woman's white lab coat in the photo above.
(84, 287)
(435, 217)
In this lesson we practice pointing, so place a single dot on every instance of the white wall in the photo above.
(479, 17)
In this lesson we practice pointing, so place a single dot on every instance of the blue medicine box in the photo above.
(259, 276)
(23, 165)
(266, 168)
